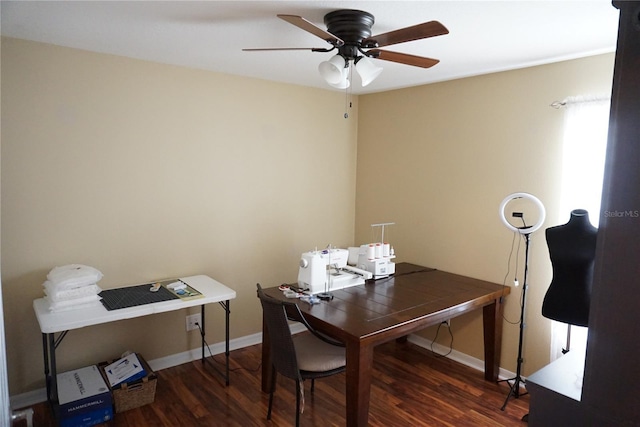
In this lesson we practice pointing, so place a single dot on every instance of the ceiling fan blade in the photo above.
(302, 23)
(312, 49)
(416, 32)
(403, 58)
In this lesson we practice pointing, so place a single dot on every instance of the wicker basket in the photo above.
(136, 393)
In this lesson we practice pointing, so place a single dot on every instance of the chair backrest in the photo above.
(283, 353)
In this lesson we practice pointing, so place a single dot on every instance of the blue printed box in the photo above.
(83, 398)
(88, 419)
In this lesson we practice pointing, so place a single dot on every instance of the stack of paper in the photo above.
(125, 370)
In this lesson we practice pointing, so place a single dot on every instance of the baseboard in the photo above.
(196, 353)
(457, 356)
(27, 399)
(40, 395)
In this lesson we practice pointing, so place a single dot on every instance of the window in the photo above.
(586, 125)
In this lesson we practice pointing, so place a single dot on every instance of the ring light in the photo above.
(527, 196)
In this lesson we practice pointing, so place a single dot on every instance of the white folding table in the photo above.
(61, 322)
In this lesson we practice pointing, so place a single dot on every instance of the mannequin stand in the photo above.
(566, 350)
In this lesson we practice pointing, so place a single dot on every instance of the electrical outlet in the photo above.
(447, 322)
(192, 320)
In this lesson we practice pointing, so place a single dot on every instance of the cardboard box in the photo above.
(83, 398)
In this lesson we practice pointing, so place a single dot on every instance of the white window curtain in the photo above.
(586, 123)
(5, 404)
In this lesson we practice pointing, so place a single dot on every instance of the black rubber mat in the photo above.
(131, 296)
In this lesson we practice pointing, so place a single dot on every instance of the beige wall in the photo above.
(148, 171)
(439, 159)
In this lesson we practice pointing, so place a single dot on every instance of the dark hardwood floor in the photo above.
(411, 387)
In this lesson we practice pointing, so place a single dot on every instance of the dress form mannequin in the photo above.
(572, 249)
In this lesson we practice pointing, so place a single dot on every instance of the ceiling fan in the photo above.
(349, 31)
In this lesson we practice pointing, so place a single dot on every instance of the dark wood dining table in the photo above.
(412, 299)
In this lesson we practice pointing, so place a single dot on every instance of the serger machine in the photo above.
(377, 257)
(327, 270)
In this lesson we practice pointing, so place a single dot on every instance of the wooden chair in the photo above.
(303, 356)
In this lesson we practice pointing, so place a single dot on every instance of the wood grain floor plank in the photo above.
(410, 387)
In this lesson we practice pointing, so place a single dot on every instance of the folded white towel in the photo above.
(56, 309)
(55, 294)
(74, 303)
(73, 276)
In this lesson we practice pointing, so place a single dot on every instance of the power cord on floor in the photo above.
(212, 356)
(436, 338)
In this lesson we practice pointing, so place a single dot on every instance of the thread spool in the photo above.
(386, 249)
(378, 250)
(371, 252)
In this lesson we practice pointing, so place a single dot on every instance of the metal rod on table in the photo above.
(60, 338)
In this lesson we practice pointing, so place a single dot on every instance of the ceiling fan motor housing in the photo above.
(352, 26)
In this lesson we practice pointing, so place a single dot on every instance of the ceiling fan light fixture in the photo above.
(333, 70)
(344, 83)
(367, 70)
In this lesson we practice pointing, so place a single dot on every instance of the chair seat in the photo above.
(315, 355)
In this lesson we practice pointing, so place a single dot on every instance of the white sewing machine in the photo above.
(327, 270)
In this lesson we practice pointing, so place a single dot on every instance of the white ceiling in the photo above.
(485, 36)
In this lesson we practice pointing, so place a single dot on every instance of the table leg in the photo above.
(266, 359)
(227, 309)
(225, 305)
(202, 332)
(45, 356)
(53, 371)
(492, 322)
(358, 387)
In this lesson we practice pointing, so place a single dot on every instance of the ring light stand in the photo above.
(526, 232)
